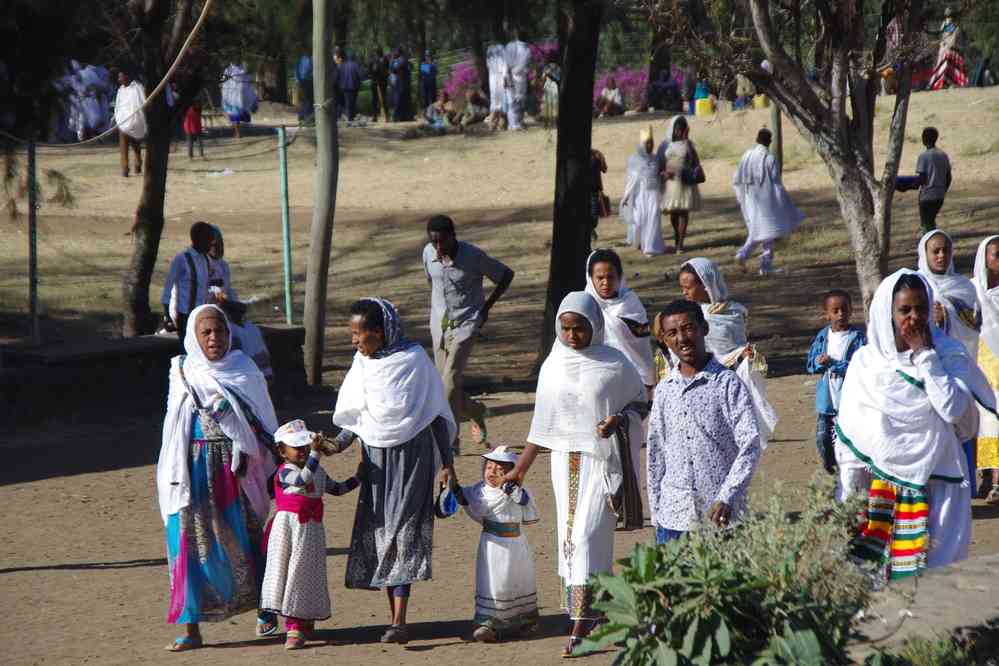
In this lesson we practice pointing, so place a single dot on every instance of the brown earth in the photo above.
(82, 566)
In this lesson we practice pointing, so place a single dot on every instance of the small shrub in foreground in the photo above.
(776, 589)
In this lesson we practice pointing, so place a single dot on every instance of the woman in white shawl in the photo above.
(498, 75)
(239, 98)
(701, 281)
(518, 60)
(987, 286)
(392, 399)
(640, 201)
(678, 164)
(908, 401)
(215, 461)
(955, 309)
(589, 405)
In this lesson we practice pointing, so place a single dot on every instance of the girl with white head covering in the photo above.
(701, 281)
(589, 405)
(215, 460)
(987, 286)
(908, 401)
(392, 399)
(678, 161)
(640, 201)
(956, 308)
(506, 596)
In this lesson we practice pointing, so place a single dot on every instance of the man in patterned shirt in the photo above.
(704, 443)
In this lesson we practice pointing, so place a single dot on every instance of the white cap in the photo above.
(501, 454)
(294, 433)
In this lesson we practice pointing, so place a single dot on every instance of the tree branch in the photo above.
(181, 24)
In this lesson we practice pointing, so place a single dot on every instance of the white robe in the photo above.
(496, 63)
(640, 203)
(506, 595)
(128, 113)
(518, 60)
(766, 207)
(956, 294)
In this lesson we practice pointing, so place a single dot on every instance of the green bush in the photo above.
(778, 589)
(923, 652)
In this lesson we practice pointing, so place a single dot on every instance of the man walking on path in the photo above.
(186, 285)
(704, 443)
(130, 120)
(303, 75)
(933, 171)
(766, 207)
(459, 310)
(349, 82)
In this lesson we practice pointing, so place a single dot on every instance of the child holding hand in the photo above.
(295, 578)
(831, 351)
(506, 600)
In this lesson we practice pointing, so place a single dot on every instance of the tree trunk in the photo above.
(138, 317)
(659, 59)
(281, 78)
(479, 57)
(341, 23)
(572, 214)
(327, 166)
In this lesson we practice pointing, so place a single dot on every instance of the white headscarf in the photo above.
(955, 293)
(726, 319)
(624, 306)
(988, 299)
(234, 375)
(389, 398)
(886, 420)
(579, 388)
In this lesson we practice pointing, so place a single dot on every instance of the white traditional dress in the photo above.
(518, 60)
(678, 196)
(988, 356)
(766, 207)
(903, 415)
(496, 64)
(506, 595)
(956, 294)
(576, 390)
(640, 201)
(727, 340)
(239, 98)
(295, 578)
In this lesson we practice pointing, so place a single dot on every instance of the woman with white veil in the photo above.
(498, 70)
(518, 60)
(589, 406)
(640, 201)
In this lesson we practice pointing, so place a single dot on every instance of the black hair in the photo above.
(930, 136)
(607, 256)
(683, 306)
(909, 281)
(687, 268)
(837, 293)
(370, 313)
(440, 224)
(681, 123)
(201, 230)
(764, 137)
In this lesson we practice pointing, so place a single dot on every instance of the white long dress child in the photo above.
(506, 596)
(956, 294)
(640, 201)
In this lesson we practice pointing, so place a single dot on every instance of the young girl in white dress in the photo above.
(295, 578)
(506, 599)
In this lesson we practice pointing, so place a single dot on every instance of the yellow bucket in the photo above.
(704, 107)
(761, 102)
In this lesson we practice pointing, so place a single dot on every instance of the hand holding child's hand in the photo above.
(823, 359)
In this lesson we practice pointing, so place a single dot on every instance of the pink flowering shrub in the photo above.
(631, 82)
(463, 77)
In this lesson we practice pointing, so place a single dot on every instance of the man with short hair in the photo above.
(933, 172)
(458, 310)
(766, 206)
(349, 82)
(186, 285)
(704, 443)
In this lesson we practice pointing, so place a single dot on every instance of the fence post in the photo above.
(36, 336)
(285, 221)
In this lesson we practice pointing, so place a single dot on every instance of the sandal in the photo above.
(993, 497)
(185, 643)
(295, 640)
(267, 624)
(568, 652)
(396, 634)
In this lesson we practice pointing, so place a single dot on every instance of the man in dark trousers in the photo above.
(186, 286)
(349, 82)
(933, 169)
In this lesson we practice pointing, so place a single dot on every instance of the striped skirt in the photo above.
(896, 532)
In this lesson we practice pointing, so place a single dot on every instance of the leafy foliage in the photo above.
(923, 652)
(776, 590)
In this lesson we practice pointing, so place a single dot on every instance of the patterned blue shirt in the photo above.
(703, 446)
